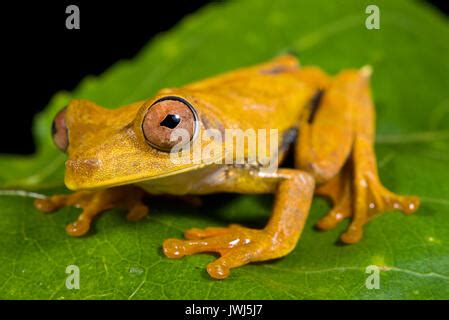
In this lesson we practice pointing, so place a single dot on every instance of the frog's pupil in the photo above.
(171, 121)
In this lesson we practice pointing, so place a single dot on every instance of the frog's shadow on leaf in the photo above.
(220, 209)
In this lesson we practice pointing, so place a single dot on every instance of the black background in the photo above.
(40, 56)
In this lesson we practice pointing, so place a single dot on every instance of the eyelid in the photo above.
(176, 98)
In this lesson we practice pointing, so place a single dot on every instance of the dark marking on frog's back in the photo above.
(275, 70)
(288, 138)
(314, 104)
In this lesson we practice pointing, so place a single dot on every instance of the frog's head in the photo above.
(127, 145)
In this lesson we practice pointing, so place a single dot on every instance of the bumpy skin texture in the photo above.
(334, 151)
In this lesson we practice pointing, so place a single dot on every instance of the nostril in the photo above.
(59, 130)
(89, 163)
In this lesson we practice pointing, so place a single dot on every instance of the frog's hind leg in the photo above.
(370, 197)
(324, 144)
(337, 148)
(94, 203)
(339, 191)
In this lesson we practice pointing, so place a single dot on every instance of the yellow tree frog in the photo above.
(117, 156)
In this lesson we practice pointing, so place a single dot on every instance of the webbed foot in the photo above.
(357, 192)
(236, 245)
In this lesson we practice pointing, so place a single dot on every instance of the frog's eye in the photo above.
(59, 130)
(164, 117)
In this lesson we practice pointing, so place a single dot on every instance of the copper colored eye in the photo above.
(59, 130)
(165, 116)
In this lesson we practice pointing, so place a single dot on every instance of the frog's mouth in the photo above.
(110, 170)
(78, 178)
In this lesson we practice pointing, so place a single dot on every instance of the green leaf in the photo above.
(123, 260)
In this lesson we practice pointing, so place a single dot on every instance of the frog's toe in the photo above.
(338, 190)
(237, 257)
(175, 248)
(339, 212)
(197, 233)
(45, 205)
(78, 228)
(138, 212)
(353, 234)
(50, 204)
(385, 200)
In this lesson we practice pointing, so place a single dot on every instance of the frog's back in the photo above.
(265, 96)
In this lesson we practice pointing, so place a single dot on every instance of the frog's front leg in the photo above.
(238, 245)
(95, 202)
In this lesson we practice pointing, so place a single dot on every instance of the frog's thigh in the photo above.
(325, 141)
(239, 245)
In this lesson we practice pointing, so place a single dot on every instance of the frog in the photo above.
(116, 157)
